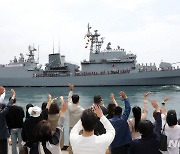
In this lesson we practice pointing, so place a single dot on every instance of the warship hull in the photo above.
(168, 77)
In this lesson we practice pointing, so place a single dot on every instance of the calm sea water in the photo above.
(135, 94)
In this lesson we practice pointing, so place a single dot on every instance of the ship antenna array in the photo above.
(59, 46)
(95, 42)
(53, 45)
(38, 53)
(31, 52)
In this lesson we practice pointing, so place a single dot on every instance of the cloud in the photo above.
(129, 5)
(173, 18)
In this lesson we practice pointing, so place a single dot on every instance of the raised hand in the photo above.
(54, 99)
(97, 110)
(71, 86)
(49, 98)
(63, 109)
(163, 108)
(123, 94)
(166, 99)
(112, 96)
(13, 94)
(113, 99)
(61, 98)
(147, 94)
(155, 105)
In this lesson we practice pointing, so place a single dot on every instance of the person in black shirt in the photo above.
(28, 126)
(14, 120)
(44, 113)
(27, 107)
(111, 107)
(99, 130)
(150, 136)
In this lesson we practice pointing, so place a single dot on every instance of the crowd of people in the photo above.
(92, 130)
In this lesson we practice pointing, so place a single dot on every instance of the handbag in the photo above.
(23, 150)
(163, 140)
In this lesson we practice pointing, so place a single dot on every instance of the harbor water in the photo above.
(37, 95)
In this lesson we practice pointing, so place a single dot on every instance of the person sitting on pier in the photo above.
(88, 142)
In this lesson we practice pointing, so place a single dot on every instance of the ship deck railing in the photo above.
(158, 69)
(83, 73)
(103, 72)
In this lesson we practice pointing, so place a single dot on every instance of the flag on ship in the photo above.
(87, 38)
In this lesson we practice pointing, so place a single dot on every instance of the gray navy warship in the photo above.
(109, 67)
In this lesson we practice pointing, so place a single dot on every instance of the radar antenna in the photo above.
(31, 53)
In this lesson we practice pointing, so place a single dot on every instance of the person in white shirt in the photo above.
(172, 131)
(75, 110)
(87, 142)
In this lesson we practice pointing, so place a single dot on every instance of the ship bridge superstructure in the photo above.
(107, 60)
(58, 66)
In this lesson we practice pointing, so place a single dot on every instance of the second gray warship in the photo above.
(109, 67)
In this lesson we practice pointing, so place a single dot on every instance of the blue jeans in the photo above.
(3, 146)
(16, 134)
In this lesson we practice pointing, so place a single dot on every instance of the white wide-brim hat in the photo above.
(34, 111)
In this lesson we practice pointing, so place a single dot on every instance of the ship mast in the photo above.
(53, 45)
(38, 53)
(59, 47)
(95, 42)
(59, 52)
(31, 53)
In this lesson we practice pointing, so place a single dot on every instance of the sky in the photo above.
(148, 28)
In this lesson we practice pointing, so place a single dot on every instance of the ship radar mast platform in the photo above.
(31, 54)
(96, 43)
